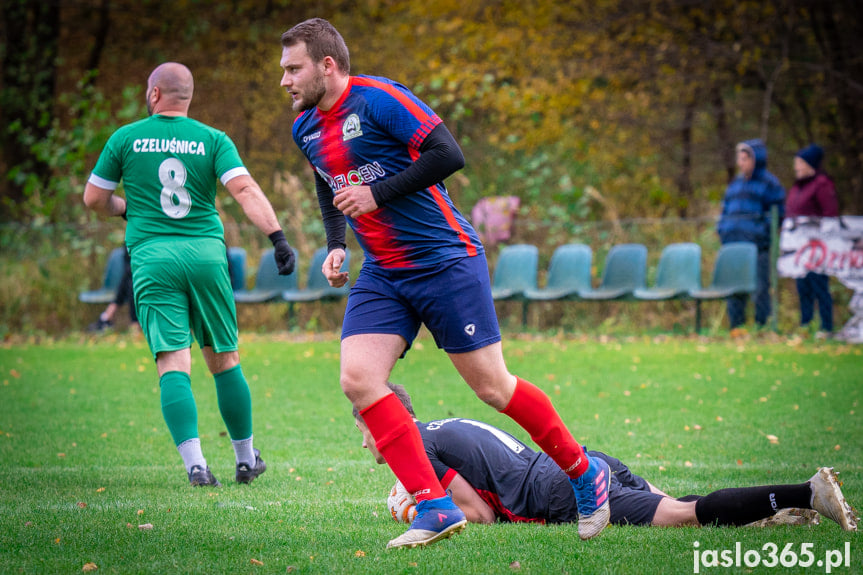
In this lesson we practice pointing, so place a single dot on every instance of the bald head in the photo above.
(169, 89)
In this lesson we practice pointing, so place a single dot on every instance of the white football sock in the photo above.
(244, 451)
(190, 451)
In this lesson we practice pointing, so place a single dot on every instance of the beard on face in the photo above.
(312, 96)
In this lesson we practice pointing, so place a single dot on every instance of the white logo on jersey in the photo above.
(470, 329)
(174, 146)
(363, 175)
(435, 425)
(351, 128)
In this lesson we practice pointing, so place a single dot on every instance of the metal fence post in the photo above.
(774, 257)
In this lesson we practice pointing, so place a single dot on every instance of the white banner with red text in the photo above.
(831, 246)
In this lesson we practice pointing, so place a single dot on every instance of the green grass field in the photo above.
(87, 459)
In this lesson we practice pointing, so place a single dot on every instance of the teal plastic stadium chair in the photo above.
(678, 273)
(568, 272)
(114, 270)
(237, 267)
(317, 286)
(625, 269)
(515, 272)
(734, 273)
(269, 285)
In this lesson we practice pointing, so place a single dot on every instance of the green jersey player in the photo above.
(169, 165)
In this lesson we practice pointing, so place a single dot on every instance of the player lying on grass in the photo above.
(493, 476)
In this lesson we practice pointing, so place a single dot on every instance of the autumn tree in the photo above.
(638, 102)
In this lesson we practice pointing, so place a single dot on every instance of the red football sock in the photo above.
(531, 408)
(398, 440)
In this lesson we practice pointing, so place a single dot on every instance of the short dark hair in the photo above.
(401, 394)
(321, 39)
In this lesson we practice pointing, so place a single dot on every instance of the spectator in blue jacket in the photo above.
(746, 218)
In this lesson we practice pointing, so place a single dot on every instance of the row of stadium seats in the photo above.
(678, 274)
(268, 287)
(569, 277)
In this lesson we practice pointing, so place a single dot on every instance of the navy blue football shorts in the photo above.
(629, 497)
(453, 300)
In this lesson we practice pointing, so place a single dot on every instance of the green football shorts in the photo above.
(182, 287)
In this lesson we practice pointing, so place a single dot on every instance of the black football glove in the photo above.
(284, 255)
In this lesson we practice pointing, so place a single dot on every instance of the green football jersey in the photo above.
(169, 166)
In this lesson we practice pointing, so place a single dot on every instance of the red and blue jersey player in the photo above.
(380, 156)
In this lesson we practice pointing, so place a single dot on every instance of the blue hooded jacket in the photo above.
(746, 208)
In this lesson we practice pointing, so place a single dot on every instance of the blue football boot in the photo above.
(591, 495)
(436, 519)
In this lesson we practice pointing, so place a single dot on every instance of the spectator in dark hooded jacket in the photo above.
(813, 195)
(746, 218)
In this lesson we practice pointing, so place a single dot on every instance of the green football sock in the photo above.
(178, 406)
(235, 402)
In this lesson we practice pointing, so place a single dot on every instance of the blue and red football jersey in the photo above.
(373, 132)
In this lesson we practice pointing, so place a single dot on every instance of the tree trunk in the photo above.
(27, 99)
(838, 30)
(726, 145)
(99, 38)
(684, 176)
